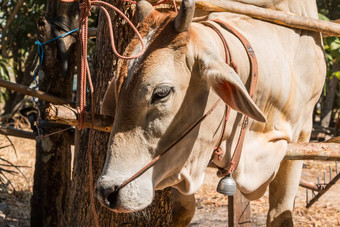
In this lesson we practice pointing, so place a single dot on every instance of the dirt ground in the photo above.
(211, 209)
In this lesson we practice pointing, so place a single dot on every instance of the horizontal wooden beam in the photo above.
(69, 116)
(34, 93)
(327, 28)
(296, 151)
(17, 133)
(309, 185)
(313, 151)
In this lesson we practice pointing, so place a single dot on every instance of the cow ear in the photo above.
(229, 87)
(108, 106)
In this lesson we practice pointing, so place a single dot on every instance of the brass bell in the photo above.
(227, 186)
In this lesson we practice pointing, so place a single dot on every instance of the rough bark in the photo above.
(329, 100)
(79, 209)
(52, 174)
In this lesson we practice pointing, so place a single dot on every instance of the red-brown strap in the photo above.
(156, 159)
(238, 150)
(253, 82)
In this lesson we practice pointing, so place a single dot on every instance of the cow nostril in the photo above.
(111, 199)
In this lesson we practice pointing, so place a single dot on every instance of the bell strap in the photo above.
(253, 82)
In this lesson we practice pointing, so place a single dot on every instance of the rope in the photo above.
(41, 52)
(85, 7)
(40, 136)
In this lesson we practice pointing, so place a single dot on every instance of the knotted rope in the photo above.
(85, 7)
(41, 53)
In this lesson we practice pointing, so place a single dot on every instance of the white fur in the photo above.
(134, 63)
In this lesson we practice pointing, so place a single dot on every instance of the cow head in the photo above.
(157, 97)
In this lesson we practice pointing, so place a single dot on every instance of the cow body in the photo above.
(158, 96)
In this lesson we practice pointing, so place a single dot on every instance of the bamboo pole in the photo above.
(68, 115)
(313, 151)
(38, 94)
(327, 28)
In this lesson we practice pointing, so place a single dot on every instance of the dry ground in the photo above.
(211, 207)
(15, 205)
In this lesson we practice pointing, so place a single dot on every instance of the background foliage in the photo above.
(17, 35)
(330, 101)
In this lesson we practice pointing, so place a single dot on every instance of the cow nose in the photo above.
(109, 196)
(111, 199)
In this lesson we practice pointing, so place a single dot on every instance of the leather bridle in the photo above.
(253, 81)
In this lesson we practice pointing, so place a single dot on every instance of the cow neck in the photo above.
(237, 154)
(253, 82)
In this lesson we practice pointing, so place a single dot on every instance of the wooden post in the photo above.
(239, 213)
(53, 166)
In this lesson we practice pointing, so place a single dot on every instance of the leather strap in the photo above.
(253, 82)
(237, 154)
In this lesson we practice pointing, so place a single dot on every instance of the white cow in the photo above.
(154, 99)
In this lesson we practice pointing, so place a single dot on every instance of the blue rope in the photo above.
(41, 51)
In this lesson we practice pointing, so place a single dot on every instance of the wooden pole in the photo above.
(313, 151)
(296, 151)
(67, 115)
(282, 18)
(239, 213)
(17, 133)
(38, 94)
(309, 185)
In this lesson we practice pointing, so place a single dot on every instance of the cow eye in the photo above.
(161, 93)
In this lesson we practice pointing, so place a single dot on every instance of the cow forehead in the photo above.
(162, 43)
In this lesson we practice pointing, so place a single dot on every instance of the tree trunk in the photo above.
(79, 209)
(329, 100)
(52, 174)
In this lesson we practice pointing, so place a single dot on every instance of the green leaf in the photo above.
(336, 74)
(335, 45)
(323, 17)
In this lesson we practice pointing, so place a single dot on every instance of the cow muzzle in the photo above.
(135, 196)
